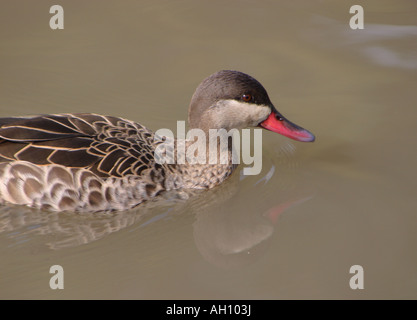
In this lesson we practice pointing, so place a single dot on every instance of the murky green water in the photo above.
(293, 231)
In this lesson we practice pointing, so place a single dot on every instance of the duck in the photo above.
(87, 162)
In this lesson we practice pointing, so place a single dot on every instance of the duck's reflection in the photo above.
(237, 233)
(227, 230)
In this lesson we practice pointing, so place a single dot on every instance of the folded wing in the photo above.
(107, 146)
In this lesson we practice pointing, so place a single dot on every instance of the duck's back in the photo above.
(83, 162)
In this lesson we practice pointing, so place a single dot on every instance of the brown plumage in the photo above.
(82, 162)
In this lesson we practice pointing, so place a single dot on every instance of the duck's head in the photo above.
(232, 99)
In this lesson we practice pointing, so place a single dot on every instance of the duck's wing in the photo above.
(107, 146)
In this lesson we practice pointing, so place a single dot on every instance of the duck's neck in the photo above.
(203, 164)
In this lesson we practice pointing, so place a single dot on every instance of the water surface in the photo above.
(294, 230)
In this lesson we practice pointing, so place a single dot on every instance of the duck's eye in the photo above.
(247, 97)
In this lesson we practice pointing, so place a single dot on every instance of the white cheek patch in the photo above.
(235, 114)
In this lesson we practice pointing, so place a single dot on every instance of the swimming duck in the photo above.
(90, 162)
